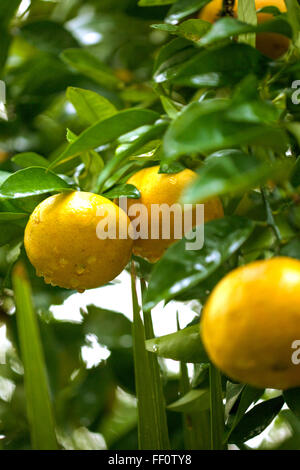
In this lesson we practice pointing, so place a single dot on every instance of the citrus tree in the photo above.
(189, 102)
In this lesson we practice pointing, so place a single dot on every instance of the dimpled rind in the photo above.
(270, 44)
(156, 188)
(62, 244)
(251, 321)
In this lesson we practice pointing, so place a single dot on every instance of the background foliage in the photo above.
(95, 91)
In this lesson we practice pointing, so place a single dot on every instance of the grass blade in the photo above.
(196, 426)
(216, 409)
(39, 408)
(152, 432)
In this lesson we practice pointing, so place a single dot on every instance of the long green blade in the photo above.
(39, 408)
(152, 431)
(216, 409)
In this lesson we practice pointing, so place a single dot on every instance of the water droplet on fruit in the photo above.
(79, 268)
(154, 348)
(81, 291)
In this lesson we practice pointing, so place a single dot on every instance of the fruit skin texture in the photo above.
(272, 45)
(62, 244)
(156, 188)
(251, 320)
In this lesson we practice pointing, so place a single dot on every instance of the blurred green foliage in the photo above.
(95, 93)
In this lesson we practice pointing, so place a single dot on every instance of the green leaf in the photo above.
(112, 328)
(90, 106)
(138, 139)
(183, 8)
(48, 36)
(31, 181)
(89, 65)
(180, 269)
(9, 216)
(256, 420)
(190, 29)
(217, 67)
(123, 190)
(30, 159)
(291, 249)
(232, 174)
(39, 407)
(205, 127)
(7, 11)
(173, 53)
(5, 44)
(103, 132)
(3, 176)
(228, 27)
(233, 392)
(9, 232)
(292, 399)
(192, 402)
(248, 396)
(184, 345)
(151, 3)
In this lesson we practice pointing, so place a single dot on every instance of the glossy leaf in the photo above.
(257, 420)
(210, 126)
(27, 159)
(123, 190)
(190, 29)
(184, 8)
(232, 174)
(90, 106)
(30, 182)
(106, 131)
(228, 27)
(192, 402)
(179, 269)
(184, 345)
(249, 395)
(292, 399)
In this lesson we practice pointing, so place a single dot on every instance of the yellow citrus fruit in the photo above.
(272, 45)
(252, 319)
(62, 243)
(156, 188)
